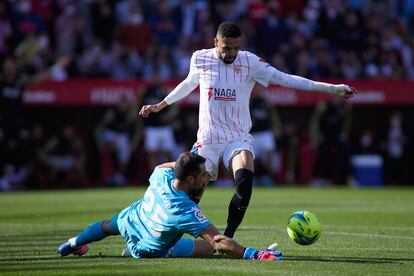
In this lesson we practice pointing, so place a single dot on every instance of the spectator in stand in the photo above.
(226, 10)
(304, 65)
(126, 63)
(396, 144)
(135, 33)
(64, 156)
(164, 24)
(188, 13)
(24, 20)
(368, 143)
(351, 67)
(329, 20)
(271, 32)
(296, 53)
(350, 34)
(325, 64)
(103, 20)
(182, 57)
(162, 64)
(44, 9)
(330, 127)
(34, 53)
(96, 61)
(70, 30)
(6, 34)
(278, 61)
(120, 133)
(256, 11)
(159, 135)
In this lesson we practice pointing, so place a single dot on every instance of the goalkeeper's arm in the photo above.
(229, 246)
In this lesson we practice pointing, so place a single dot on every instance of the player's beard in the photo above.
(229, 61)
(195, 192)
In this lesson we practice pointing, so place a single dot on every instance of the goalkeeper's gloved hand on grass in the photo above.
(251, 253)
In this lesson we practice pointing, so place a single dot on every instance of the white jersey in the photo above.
(225, 91)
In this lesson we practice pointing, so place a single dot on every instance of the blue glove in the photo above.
(251, 253)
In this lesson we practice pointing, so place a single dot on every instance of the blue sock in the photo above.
(93, 232)
(183, 248)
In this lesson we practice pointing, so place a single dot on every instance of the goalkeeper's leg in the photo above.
(190, 248)
(98, 231)
(94, 232)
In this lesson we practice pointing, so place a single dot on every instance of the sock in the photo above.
(240, 200)
(93, 232)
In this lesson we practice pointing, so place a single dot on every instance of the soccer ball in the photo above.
(304, 227)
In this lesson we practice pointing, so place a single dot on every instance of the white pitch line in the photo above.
(370, 235)
(331, 233)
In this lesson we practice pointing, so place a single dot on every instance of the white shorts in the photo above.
(159, 138)
(214, 153)
(263, 142)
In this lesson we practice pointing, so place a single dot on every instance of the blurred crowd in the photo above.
(153, 40)
(129, 39)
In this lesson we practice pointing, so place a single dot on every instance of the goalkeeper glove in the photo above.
(251, 253)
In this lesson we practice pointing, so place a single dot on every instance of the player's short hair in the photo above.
(229, 29)
(188, 164)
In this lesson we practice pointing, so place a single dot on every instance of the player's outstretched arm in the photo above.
(297, 82)
(229, 246)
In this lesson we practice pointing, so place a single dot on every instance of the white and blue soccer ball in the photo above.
(304, 227)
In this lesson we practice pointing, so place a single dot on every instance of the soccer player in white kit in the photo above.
(226, 76)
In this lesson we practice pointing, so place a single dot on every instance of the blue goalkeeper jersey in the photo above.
(152, 225)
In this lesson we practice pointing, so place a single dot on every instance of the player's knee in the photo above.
(106, 228)
(244, 183)
(109, 227)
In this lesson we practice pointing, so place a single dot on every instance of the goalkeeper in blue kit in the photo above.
(153, 226)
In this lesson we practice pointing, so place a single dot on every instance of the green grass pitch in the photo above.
(364, 232)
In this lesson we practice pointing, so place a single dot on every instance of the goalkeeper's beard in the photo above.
(195, 192)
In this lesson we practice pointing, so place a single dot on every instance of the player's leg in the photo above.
(190, 248)
(95, 232)
(239, 155)
(212, 154)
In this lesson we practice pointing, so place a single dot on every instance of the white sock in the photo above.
(72, 242)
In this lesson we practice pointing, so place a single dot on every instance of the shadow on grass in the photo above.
(57, 258)
(362, 260)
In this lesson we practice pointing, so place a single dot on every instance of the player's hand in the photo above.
(345, 91)
(268, 255)
(262, 255)
(147, 109)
